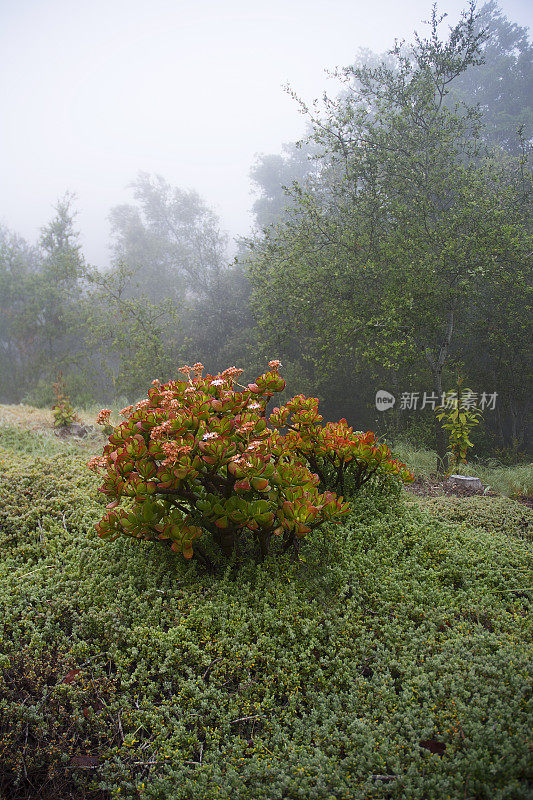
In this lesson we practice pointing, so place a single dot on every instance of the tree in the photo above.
(40, 288)
(496, 338)
(273, 174)
(19, 326)
(132, 339)
(170, 239)
(59, 241)
(403, 224)
(61, 282)
(502, 86)
(172, 246)
(220, 324)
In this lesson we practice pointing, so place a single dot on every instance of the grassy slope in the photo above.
(29, 417)
(293, 681)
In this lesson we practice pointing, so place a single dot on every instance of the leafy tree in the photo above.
(131, 339)
(19, 325)
(273, 174)
(61, 275)
(59, 241)
(458, 420)
(172, 245)
(220, 325)
(170, 239)
(495, 341)
(401, 227)
(502, 85)
(40, 289)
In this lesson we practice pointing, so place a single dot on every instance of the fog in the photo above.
(93, 93)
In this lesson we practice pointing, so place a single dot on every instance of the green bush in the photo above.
(393, 662)
(197, 457)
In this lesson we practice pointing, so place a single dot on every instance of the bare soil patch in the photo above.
(434, 486)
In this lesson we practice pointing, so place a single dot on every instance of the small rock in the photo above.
(75, 429)
(465, 481)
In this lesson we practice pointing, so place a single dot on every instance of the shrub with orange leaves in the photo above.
(344, 460)
(197, 458)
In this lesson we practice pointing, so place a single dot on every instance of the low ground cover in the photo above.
(391, 662)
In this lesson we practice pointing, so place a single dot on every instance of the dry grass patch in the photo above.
(35, 419)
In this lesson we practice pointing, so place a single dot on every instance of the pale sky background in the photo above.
(92, 91)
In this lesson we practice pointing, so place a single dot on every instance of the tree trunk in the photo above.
(501, 434)
(203, 558)
(517, 428)
(436, 361)
(395, 415)
(440, 435)
(264, 541)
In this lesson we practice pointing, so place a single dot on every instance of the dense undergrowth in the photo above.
(391, 663)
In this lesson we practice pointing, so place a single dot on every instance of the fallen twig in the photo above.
(120, 729)
(48, 566)
(210, 667)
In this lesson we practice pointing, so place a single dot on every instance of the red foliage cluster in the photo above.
(335, 452)
(197, 456)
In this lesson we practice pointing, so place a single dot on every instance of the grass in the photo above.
(510, 481)
(420, 461)
(392, 663)
(44, 443)
(30, 417)
(26, 417)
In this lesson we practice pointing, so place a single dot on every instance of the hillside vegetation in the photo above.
(391, 662)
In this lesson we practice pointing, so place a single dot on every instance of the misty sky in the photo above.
(93, 92)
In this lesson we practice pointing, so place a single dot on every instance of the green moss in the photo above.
(284, 680)
(37, 493)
